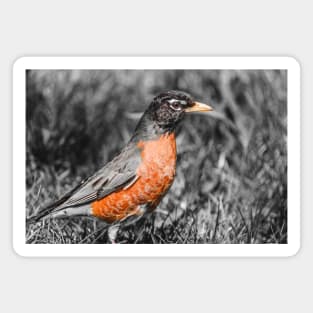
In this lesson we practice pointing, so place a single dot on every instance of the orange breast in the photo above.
(156, 174)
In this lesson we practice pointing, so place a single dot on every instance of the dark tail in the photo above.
(51, 208)
(45, 212)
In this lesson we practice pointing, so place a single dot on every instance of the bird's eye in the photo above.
(175, 106)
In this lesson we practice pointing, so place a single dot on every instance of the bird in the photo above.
(134, 182)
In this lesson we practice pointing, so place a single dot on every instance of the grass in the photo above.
(231, 183)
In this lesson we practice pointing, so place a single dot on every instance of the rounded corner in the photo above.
(19, 62)
(294, 62)
(16, 249)
(294, 251)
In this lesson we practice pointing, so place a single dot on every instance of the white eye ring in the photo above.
(175, 107)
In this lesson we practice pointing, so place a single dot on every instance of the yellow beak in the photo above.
(199, 107)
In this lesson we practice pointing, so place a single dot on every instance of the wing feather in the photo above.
(115, 175)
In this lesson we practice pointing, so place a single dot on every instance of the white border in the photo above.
(129, 250)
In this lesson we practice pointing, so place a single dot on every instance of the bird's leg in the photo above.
(112, 232)
(125, 222)
(140, 222)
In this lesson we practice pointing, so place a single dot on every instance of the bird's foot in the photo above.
(113, 232)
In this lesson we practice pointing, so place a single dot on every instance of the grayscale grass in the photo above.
(231, 182)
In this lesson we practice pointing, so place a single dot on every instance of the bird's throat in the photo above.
(150, 130)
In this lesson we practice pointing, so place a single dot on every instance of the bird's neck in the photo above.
(147, 129)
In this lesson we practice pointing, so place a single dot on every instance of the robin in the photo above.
(135, 181)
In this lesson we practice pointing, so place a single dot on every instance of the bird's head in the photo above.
(166, 111)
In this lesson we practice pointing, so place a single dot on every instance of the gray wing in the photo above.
(117, 174)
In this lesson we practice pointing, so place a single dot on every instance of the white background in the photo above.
(19, 104)
(158, 28)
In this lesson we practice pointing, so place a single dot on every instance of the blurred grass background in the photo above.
(231, 183)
